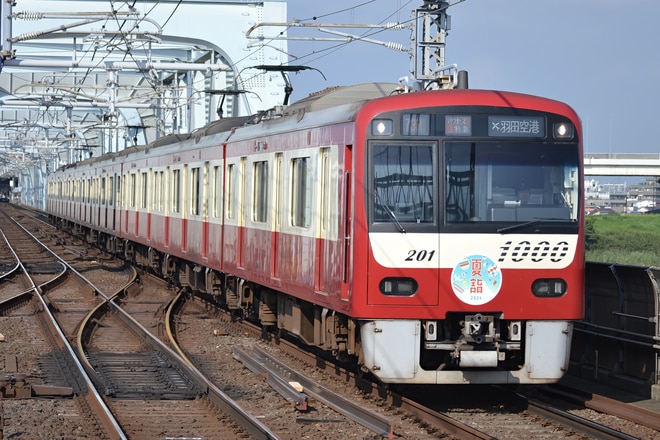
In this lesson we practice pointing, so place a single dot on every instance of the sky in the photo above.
(602, 57)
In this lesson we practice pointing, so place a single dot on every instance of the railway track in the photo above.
(477, 412)
(212, 342)
(145, 384)
(209, 340)
(71, 302)
(48, 368)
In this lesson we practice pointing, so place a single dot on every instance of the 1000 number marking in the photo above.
(537, 253)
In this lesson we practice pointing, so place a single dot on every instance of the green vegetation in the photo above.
(624, 239)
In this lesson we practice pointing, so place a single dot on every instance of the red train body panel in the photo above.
(383, 227)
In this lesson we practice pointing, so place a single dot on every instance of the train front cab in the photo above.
(465, 282)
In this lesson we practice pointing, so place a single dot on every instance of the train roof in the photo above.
(318, 101)
(325, 99)
(340, 95)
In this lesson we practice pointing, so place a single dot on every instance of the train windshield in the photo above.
(503, 184)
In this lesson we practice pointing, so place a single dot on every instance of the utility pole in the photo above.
(427, 63)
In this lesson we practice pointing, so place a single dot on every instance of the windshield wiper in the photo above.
(532, 222)
(389, 212)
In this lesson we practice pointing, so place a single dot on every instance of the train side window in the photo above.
(155, 202)
(204, 191)
(300, 192)
(217, 191)
(167, 177)
(231, 175)
(111, 191)
(118, 191)
(161, 189)
(144, 182)
(260, 189)
(195, 188)
(176, 188)
(132, 191)
(277, 195)
(326, 188)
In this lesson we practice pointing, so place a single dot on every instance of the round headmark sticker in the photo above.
(476, 280)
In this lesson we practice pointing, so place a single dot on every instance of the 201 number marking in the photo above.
(420, 255)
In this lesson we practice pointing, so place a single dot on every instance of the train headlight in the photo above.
(382, 127)
(563, 130)
(398, 286)
(549, 287)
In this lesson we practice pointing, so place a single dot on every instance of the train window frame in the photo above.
(390, 222)
(325, 196)
(195, 190)
(204, 191)
(216, 193)
(132, 190)
(166, 190)
(229, 191)
(118, 190)
(175, 195)
(278, 190)
(156, 190)
(162, 199)
(91, 199)
(144, 185)
(104, 196)
(111, 191)
(300, 192)
(95, 191)
(260, 191)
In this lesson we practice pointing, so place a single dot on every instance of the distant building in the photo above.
(608, 198)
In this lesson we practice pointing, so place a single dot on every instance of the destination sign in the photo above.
(458, 125)
(415, 124)
(516, 126)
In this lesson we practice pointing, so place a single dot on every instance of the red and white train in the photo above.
(434, 236)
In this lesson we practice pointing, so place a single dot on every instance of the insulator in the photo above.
(29, 15)
(28, 36)
(396, 46)
(395, 25)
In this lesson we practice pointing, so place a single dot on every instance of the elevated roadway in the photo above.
(617, 164)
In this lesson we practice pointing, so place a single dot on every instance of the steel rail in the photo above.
(576, 423)
(225, 403)
(606, 405)
(106, 418)
(277, 382)
(424, 414)
(248, 422)
(371, 419)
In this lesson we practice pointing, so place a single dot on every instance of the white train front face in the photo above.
(472, 239)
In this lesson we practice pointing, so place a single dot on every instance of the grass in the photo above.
(632, 239)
